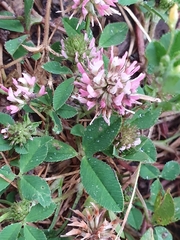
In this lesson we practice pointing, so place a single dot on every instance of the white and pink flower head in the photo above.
(24, 92)
(111, 90)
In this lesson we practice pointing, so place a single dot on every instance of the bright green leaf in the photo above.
(98, 178)
(113, 34)
(98, 136)
(59, 151)
(34, 188)
(171, 170)
(56, 68)
(39, 213)
(62, 93)
(32, 233)
(135, 218)
(10, 232)
(164, 209)
(144, 152)
(7, 173)
(149, 171)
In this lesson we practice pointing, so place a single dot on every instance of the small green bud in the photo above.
(75, 45)
(19, 210)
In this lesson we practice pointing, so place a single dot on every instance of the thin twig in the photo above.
(137, 22)
(60, 176)
(130, 203)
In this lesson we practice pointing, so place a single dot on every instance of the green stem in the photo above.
(5, 202)
(55, 218)
(171, 40)
(87, 27)
(4, 216)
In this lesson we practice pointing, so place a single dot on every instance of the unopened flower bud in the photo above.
(127, 138)
(173, 16)
(18, 211)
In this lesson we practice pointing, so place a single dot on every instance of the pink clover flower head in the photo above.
(93, 8)
(24, 92)
(115, 90)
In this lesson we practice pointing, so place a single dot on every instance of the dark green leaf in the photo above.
(36, 155)
(171, 170)
(66, 111)
(62, 93)
(113, 34)
(59, 151)
(98, 136)
(78, 130)
(98, 178)
(149, 171)
(145, 118)
(154, 53)
(135, 218)
(34, 188)
(11, 232)
(4, 144)
(57, 128)
(13, 45)
(10, 24)
(177, 209)
(70, 26)
(6, 119)
(161, 233)
(28, 4)
(7, 173)
(32, 233)
(56, 68)
(144, 152)
(57, 48)
(155, 189)
(39, 213)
